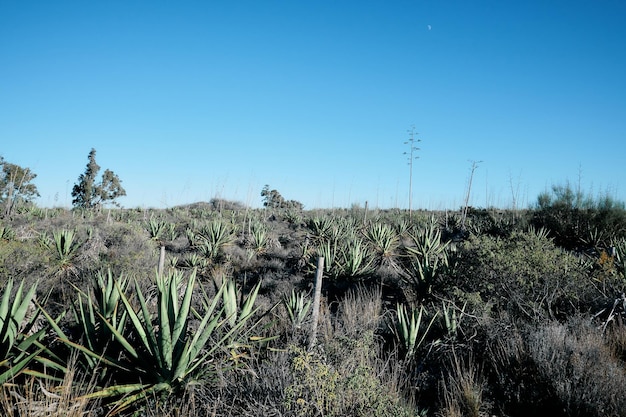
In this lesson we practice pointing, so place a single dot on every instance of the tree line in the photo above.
(89, 192)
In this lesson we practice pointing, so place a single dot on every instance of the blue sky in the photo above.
(187, 101)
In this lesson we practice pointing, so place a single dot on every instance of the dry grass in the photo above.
(463, 389)
(42, 398)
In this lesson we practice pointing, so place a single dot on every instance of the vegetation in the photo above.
(16, 186)
(89, 194)
(206, 310)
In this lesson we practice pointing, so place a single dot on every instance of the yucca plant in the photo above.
(297, 305)
(409, 328)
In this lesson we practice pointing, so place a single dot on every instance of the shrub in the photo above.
(579, 221)
(525, 274)
(584, 376)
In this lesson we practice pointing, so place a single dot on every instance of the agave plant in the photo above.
(65, 249)
(157, 352)
(156, 229)
(619, 250)
(260, 238)
(356, 260)
(385, 242)
(194, 260)
(428, 259)
(409, 328)
(298, 306)
(6, 233)
(453, 316)
(20, 341)
(213, 237)
(346, 259)
(322, 228)
(237, 309)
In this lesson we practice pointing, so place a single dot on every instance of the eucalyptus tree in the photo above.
(15, 185)
(89, 194)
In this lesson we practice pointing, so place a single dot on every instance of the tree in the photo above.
(273, 199)
(16, 185)
(89, 194)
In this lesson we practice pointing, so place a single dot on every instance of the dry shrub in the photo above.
(584, 375)
(360, 311)
(463, 389)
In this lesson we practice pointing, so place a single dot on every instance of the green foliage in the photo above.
(314, 388)
(385, 242)
(20, 340)
(346, 259)
(410, 330)
(213, 237)
(158, 229)
(6, 233)
(525, 274)
(572, 218)
(428, 260)
(236, 309)
(272, 199)
(260, 237)
(15, 186)
(64, 248)
(298, 306)
(154, 353)
(453, 317)
(89, 194)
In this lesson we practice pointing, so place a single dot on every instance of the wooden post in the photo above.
(162, 261)
(319, 274)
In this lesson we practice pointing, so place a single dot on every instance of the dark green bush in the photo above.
(525, 274)
(577, 221)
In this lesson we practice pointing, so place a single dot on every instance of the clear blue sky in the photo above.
(187, 100)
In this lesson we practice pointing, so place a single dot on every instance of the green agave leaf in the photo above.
(180, 327)
(4, 313)
(120, 338)
(246, 309)
(17, 367)
(149, 334)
